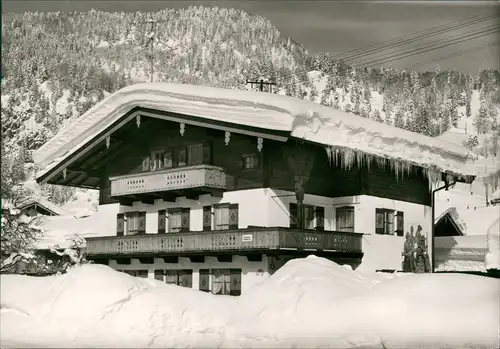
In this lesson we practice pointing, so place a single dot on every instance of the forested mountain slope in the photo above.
(57, 65)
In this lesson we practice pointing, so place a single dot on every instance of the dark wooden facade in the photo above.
(131, 144)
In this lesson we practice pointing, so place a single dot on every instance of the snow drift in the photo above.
(492, 260)
(303, 119)
(309, 302)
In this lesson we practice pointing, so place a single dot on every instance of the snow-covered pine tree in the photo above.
(314, 93)
(376, 116)
(336, 100)
(482, 121)
(399, 119)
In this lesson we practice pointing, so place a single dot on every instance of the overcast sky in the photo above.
(340, 26)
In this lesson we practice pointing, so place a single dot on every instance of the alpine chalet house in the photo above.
(214, 189)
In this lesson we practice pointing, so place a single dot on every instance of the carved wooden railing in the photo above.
(207, 176)
(226, 240)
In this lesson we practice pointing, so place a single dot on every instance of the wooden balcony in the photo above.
(168, 183)
(225, 241)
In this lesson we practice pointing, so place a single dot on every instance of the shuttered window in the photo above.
(384, 221)
(132, 223)
(178, 220)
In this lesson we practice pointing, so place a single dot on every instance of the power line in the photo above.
(428, 48)
(417, 36)
(456, 54)
(402, 40)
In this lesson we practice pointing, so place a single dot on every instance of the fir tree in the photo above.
(399, 119)
(482, 122)
(376, 116)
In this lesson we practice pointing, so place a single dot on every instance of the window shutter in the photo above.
(207, 218)
(159, 275)
(141, 222)
(120, 224)
(400, 221)
(161, 221)
(207, 154)
(235, 282)
(204, 280)
(379, 221)
(293, 215)
(186, 278)
(320, 218)
(185, 219)
(233, 216)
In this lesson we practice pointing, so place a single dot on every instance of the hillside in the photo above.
(55, 66)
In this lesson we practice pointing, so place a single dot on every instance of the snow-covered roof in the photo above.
(452, 212)
(46, 204)
(303, 119)
(62, 230)
(495, 197)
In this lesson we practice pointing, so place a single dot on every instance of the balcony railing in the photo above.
(251, 239)
(200, 176)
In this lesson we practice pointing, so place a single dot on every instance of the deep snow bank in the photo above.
(309, 302)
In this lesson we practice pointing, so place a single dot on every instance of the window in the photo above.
(181, 277)
(308, 217)
(226, 282)
(178, 220)
(311, 217)
(157, 160)
(226, 216)
(137, 273)
(250, 162)
(345, 219)
(167, 159)
(384, 221)
(132, 223)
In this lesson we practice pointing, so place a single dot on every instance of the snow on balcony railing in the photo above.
(226, 240)
(170, 179)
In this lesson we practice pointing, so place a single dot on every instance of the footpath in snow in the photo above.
(309, 302)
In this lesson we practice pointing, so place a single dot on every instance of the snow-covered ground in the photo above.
(309, 302)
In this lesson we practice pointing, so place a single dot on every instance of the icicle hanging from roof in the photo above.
(346, 158)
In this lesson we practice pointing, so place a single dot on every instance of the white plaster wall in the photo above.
(252, 205)
(385, 251)
(252, 272)
(270, 208)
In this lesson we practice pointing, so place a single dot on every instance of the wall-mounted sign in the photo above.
(247, 238)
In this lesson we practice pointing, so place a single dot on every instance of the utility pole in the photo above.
(151, 40)
(261, 84)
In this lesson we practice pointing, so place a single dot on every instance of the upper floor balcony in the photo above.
(169, 183)
(248, 240)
